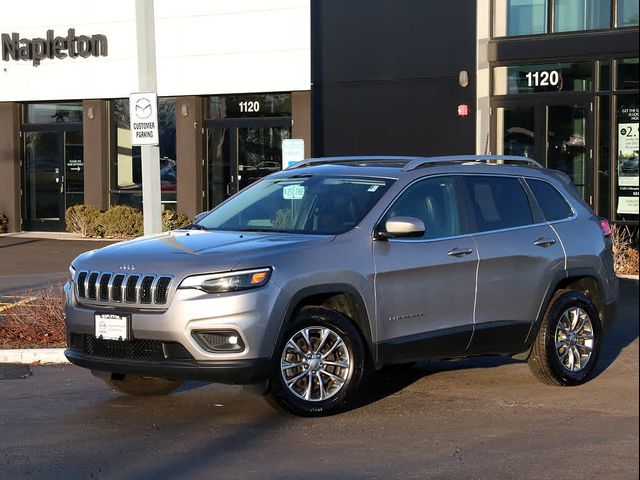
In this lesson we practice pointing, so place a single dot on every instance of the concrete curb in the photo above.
(33, 355)
(630, 277)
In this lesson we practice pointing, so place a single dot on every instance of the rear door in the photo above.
(425, 286)
(519, 255)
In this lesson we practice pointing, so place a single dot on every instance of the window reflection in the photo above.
(627, 13)
(520, 17)
(126, 165)
(516, 127)
(572, 15)
(60, 112)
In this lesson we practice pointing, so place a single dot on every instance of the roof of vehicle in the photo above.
(412, 163)
(397, 166)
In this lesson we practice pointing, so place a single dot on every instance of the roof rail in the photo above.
(466, 159)
(355, 159)
(411, 163)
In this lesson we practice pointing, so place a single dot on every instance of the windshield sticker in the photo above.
(373, 188)
(293, 192)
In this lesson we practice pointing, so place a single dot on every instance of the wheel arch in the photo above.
(584, 280)
(339, 297)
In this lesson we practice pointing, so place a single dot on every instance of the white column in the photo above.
(146, 43)
(483, 87)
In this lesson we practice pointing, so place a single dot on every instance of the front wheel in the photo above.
(319, 365)
(145, 386)
(566, 349)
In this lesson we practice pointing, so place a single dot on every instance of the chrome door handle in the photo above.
(544, 242)
(459, 252)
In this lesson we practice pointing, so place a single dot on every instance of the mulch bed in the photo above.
(33, 320)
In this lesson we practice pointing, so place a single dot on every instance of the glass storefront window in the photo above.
(627, 13)
(126, 169)
(250, 105)
(573, 15)
(516, 131)
(519, 17)
(565, 77)
(54, 112)
(566, 142)
(605, 76)
(627, 116)
(628, 74)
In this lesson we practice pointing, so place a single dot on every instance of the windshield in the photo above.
(314, 204)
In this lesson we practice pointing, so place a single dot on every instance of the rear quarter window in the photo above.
(497, 203)
(553, 205)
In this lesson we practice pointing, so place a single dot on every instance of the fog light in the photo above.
(219, 340)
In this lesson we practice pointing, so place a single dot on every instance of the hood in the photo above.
(193, 251)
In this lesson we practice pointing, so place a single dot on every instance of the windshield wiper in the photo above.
(254, 229)
(195, 226)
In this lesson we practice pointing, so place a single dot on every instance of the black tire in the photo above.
(281, 396)
(544, 360)
(143, 386)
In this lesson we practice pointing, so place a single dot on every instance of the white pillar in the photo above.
(146, 43)
(483, 86)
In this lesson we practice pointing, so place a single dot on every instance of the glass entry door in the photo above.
(241, 151)
(557, 134)
(567, 146)
(53, 177)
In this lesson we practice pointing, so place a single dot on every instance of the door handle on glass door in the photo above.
(544, 242)
(460, 252)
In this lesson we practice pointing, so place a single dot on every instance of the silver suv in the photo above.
(313, 276)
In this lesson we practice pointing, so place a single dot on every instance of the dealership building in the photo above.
(556, 80)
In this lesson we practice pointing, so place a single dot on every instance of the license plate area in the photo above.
(111, 326)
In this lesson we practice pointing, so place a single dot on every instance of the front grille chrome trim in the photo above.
(149, 295)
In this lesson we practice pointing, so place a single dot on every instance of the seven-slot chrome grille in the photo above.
(126, 289)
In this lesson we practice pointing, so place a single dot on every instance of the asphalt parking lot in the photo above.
(479, 418)
(35, 263)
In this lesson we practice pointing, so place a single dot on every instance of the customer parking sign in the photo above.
(143, 112)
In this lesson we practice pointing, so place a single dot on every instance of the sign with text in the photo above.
(143, 114)
(628, 149)
(292, 151)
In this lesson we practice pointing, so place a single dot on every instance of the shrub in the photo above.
(34, 320)
(625, 256)
(4, 222)
(122, 221)
(84, 220)
(173, 220)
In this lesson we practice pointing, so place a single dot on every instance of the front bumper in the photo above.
(239, 372)
(248, 313)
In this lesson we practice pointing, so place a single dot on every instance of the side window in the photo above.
(434, 201)
(553, 205)
(497, 203)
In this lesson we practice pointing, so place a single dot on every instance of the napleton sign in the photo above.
(37, 49)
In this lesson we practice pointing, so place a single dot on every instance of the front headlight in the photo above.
(228, 282)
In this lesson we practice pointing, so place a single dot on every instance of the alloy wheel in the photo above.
(574, 339)
(315, 363)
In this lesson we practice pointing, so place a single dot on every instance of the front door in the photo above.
(53, 176)
(556, 133)
(425, 287)
(241, 151)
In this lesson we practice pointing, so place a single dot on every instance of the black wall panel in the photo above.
(385, 76)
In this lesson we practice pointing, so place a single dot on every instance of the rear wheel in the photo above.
(319, 365)
(566, 349)
(145, 386)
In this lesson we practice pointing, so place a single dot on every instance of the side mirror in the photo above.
(402, 227)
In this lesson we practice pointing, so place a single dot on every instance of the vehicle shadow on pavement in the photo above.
(625, 328)
(391, 380)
